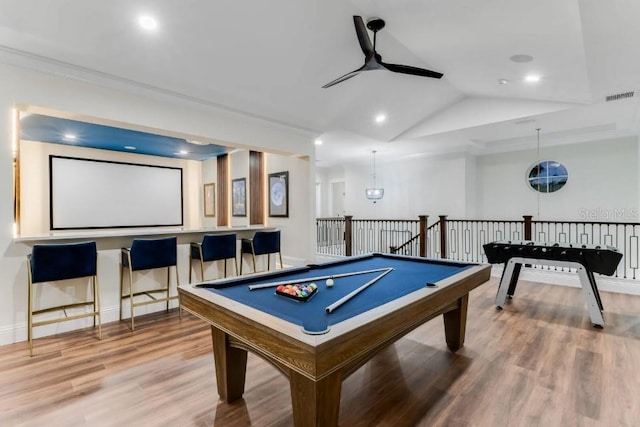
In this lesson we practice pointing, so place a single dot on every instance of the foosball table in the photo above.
(585, 259)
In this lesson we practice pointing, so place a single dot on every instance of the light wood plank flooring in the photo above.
(536, 363)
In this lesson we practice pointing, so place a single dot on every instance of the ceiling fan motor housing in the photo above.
(375, 24)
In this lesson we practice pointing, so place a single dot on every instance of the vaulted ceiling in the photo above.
(269, 59)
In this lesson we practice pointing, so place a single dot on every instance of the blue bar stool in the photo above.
(51, 263)
(214, 247)
(263, 243)
(147, 254)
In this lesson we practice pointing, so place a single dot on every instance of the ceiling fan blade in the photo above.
(363, 36)
(406, 69)
(343, 78)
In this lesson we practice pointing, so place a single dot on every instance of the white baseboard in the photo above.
(18, 332)
(565, 278)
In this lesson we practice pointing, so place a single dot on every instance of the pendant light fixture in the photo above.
(374, 193)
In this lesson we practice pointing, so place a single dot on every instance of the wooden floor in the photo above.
(536, 363)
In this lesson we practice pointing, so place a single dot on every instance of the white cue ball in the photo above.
(329, 282)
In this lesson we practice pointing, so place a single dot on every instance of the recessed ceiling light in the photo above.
(147, 22)
(70, 137)
(129, 147)
(521, 58)
(318, 142)
(503, 81)
(380, 118)
(532, 78)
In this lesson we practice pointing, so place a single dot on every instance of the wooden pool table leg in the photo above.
(315, 403)
(455, 323)
(231, 366)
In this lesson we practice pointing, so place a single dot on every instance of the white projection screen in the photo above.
(87, 193)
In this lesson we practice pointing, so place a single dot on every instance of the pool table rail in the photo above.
(316, 356)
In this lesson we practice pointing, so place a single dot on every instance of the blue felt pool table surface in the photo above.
(408, 275)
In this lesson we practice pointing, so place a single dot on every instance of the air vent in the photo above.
(618, 96)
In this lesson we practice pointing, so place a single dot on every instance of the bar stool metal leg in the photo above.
(30, 320)
(201, 265)
(131, 297)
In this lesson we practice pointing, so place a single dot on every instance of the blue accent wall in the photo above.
(37, 127)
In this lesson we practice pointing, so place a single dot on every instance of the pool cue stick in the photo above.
(355, 292)
(313, 279)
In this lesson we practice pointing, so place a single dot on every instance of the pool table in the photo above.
(316, 349)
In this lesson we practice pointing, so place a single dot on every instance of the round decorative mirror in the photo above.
(547, 176)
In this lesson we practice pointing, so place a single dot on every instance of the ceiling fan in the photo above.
(372, 59)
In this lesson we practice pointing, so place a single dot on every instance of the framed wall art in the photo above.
(210, 199)
(239, 197)
(279, 194)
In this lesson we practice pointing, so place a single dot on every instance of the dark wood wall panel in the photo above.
(256, 187)
(223, 190)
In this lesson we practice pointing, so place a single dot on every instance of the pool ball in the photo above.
(329, 282)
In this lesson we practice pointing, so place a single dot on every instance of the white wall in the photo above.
(301, 204)
(328, 178)
(602, 184)
(141, 110)
(418, 186)
(471, 186)
(322, 178)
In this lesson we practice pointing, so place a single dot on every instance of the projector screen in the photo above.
(87, 193)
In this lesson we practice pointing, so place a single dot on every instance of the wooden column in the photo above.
(443, 236)
(527, 226)
(256, 187)
(423, 235)
(348, 235)
(222, 201)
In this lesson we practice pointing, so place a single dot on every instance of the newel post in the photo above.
(443, 236)
(527, 226)
(423, 235)
(348, 234)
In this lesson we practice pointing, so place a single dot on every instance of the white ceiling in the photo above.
(270, 59)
